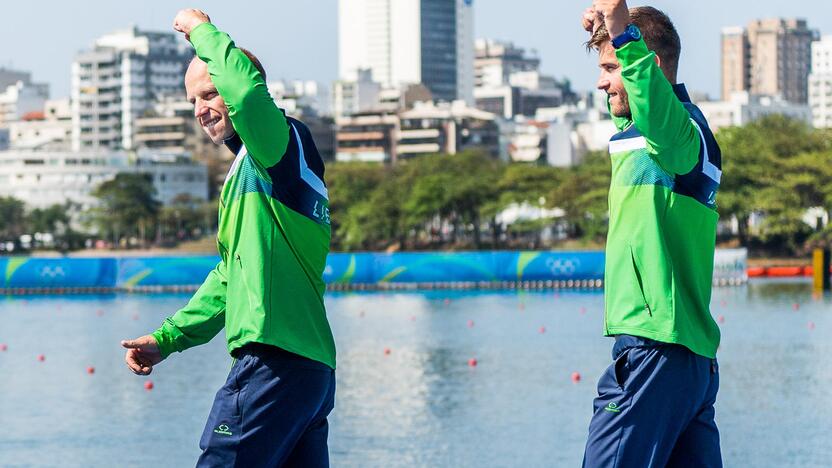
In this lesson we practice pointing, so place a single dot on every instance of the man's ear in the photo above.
(658, 60)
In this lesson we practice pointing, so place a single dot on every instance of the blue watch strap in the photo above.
(631, 34)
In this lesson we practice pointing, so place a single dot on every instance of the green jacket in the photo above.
(660, 247)
(274, 231)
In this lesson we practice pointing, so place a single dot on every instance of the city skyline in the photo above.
(552, 31)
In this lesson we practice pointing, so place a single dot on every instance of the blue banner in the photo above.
(368, 268)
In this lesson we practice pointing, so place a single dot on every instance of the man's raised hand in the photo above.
(615, 13)
(186, 20)
(590, 20)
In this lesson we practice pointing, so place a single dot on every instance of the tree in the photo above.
(127, 206)
(183, 219)
(583, 195)
(350, 184)
(12, 219)
(761, 174)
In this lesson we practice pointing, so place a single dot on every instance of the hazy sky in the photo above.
(298, 39)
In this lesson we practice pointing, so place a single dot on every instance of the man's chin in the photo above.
(216, 138)
(621, 113)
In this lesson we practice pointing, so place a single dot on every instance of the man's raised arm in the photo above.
(656, 111)
(256, 118)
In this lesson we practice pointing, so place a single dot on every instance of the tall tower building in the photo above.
(820, 83)
(406, 42)
(119, 79)
(735, 61)
(769, 56)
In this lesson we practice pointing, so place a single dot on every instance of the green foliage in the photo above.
(438, 201)
(127, 206)
(12, 218)
(777, 168)
(583, 195)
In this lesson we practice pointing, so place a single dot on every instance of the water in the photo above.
(421, 405)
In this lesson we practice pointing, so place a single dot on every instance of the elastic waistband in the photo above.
(624, 342)
(270, 352)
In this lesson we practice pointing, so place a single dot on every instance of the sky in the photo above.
(299, 39)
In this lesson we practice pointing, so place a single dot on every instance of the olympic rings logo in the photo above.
(562, 266)
(52, 272)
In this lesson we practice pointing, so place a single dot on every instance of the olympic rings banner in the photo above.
(341, 269)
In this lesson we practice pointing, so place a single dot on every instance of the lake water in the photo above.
(421, 405)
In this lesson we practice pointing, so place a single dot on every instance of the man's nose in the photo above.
(199, 109)
(603, 83)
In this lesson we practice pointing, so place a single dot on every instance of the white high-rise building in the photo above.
(820, 83)
(406, 42)
(118, 80)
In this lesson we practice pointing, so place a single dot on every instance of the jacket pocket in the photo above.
(243, 281)
(621, 368)
(638, 270)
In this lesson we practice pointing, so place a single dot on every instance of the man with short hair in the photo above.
(267, 290)
(655, 404)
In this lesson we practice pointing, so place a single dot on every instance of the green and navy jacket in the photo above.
(274, 231)
(666, 170)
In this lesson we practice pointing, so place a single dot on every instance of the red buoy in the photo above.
(542, 329)
(470, 324)
(386, 351)
(720, 318)
(447, 302)
(576, 377)
(99, 312)
(583, 310)
(811, 325)
(90, 370)
(3, 347)
(472, 362)
(41, 357)
(796, 306)
(148, 385)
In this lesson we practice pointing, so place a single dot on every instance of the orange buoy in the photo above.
(472, 362)
(41, 357)
(386, 351)
(148, 385)
(90, 370)
(576, 377)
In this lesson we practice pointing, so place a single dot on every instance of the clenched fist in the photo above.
(186, 20)
(615, 13)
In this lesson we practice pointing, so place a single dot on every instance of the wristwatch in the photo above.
(631, 34)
